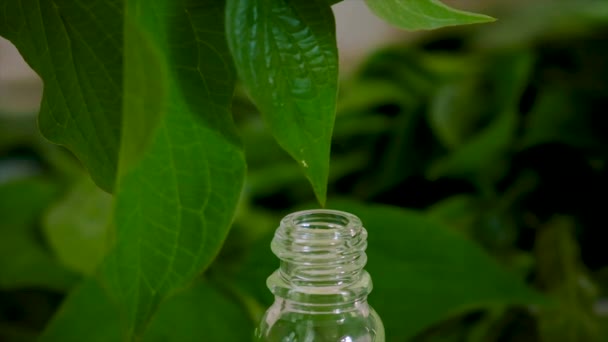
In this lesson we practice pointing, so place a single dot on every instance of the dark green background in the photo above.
(476, 158)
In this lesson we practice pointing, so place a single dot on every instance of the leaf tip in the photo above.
(319, 187)
(482, 18)
(321, 195)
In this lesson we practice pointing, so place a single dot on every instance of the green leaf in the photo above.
(23, 200)
(181, 165)
(369, 93)
(424, 272)
(87, 313)
(555, 118)
(507, 75)
(482, 150)
(562, 274)
(453, 115)
(76, 50)
(24, 260)
(286, 55)
(404, 68)
(77, 226)
(280, 176)
(423, 14)
(459, 212)
(247, 279)
(200, 313)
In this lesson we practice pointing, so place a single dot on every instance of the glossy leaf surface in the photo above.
(286, 55)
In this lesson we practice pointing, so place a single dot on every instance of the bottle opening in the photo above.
(323, 221)
(320, 248)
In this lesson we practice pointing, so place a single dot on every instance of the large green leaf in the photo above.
(422, 14)
(200, 313)
(77, 226)
(86, 314)
(24, 260)
(75, 47)
(424, 272)
(181, 165)
(286, 54)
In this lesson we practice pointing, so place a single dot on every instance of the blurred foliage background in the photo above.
(496, 134)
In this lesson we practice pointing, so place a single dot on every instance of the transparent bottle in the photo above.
(320, 288)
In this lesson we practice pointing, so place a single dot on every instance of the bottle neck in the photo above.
(322, 255)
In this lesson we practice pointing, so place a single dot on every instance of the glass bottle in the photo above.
(321, 287)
